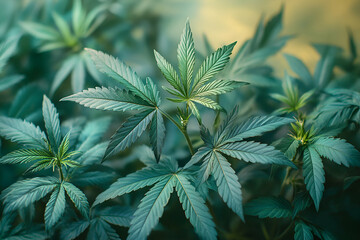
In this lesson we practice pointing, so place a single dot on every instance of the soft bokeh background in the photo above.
(320, 21)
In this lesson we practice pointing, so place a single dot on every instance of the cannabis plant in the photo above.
(198, 142)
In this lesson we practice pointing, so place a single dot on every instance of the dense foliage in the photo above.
(249, 155)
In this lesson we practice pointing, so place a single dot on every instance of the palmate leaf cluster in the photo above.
(196, 153)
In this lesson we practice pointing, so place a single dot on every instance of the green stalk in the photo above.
(182, 130)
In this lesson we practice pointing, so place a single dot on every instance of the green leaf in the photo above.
(10, 81)
(314, 174)
(100, 229)
(186, 57)
(25, 156)
(151, 209)
(64, 29)
(52, 123)
(120, 216)
(22, 193)
(64, 71)
(337, 150)
(78, 18)
(94, 155)
(169, 72)
(132, 182)
(129, 132)
(198, 156)
(195, 111)
(40, 31)
(73, 230)
(55, 207)
(350, 180)
(324, 67)
(78, 198)
(256, 153)
(195, 208)
(64, 146)
(300, 69)
(269, 207)
(157, 134)
(22, 132)
(78, 76)
(302, 201)
(217, 87)
(207, 102)
(117, 70)
(113, 99)
(302, 231)
(228, 184)
(352, 45)
(7, 49)
(212, 65)
(255, 126)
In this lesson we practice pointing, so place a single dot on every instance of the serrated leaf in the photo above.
(195, 111)
(100, 229)
(78, 198)
(52, 123)
(120, 72)
(269, 207)
(302, 231)
(73, 230)
(129, 132)
(113, 99)
(132, 182)
(212, 65)
(22, 132)
(168, 71)
(207, 102)
(302, 201)
(151, 209)
(157, 134)
(195, 208)
(120, 216)
(337, 150)
(256, 153)
(217, 87)
(23, 193)
(228, 184)
(255, 126)
(25, 156)
(314, 175)
(55, 207)
(186, 57)
(198, 156)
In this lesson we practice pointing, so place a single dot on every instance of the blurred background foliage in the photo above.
(130, 30)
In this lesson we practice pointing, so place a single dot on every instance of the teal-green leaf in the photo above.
(195, 208)
(300, 69)
(168, 71)
(117, 70)
(314, 175)
(129, 132)
(256, 153)
(301, 201)
(40, 31)
(212, 65)
(186, 57)
(218, 86)
(64, 71)
(157, 133)
(255, 126)
(132, 182)
(151, 209)
(269, 207)
(78, 198)
(228, 184)
(73, 230)
(23, 193)
(25, 156)
(302, 231)
(10, 81)
(100, 229)
(52, 123)
(78, 76)
(337, 150)
(55, 207)
(113, 99)
(198, 156)
(22, 132)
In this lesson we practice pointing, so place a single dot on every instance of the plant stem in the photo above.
(265, 232)
(61, 173)
(183, 131)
